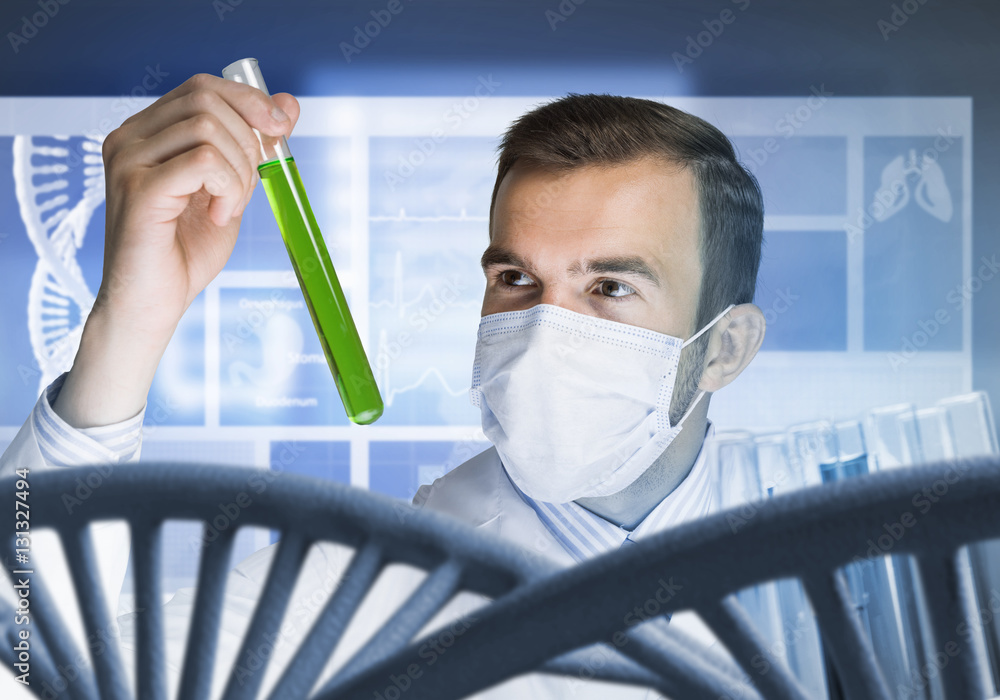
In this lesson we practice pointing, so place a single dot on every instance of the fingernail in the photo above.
(278, 115)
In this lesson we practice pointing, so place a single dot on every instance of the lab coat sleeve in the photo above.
(46, 441)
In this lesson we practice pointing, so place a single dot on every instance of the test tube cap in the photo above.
(246, 71)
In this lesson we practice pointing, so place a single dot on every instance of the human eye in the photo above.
(615, 290)
(512, 278)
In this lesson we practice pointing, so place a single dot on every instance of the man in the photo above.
(621, 230)
(636, 213)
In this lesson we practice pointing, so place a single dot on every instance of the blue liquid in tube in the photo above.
(860, 575)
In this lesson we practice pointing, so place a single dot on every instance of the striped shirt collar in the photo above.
(584, 534)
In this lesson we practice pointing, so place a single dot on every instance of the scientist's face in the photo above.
(616, 242)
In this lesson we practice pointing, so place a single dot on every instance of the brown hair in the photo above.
(579, 130)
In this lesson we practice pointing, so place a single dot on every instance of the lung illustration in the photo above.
(930, 191)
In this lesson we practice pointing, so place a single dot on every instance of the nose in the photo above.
(557, 295)
(551, 295)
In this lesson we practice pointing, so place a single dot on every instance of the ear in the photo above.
(732, 343)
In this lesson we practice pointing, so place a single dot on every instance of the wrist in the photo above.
(111, 374)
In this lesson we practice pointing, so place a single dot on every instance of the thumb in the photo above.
(289, 105)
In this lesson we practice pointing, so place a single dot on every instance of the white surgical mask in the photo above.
(576, 406)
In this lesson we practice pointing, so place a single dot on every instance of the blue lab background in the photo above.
(774, 48)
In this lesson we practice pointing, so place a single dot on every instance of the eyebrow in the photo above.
(617, 264)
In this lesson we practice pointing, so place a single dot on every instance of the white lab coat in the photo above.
(476, 492)
(113, 538)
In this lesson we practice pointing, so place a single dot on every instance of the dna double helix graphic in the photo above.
(59, 182)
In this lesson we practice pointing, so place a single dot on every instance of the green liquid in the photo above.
(321, 289)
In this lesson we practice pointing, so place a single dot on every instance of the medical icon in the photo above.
(930, 191)
(59, 182)
(281, 340)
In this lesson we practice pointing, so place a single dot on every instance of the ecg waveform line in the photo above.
(389, 392)
(396, 302)
(382, 367)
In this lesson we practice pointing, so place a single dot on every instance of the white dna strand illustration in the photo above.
(931, 192)
(58, 187)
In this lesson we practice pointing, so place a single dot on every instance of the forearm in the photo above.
(112, 373)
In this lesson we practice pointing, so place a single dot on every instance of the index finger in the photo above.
(256, 109)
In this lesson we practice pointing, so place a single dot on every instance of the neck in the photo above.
(631, 505)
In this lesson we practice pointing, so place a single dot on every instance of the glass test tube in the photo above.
(967, 430)
(780, 472)
(891, 434)
(323, 295)
(733, 458)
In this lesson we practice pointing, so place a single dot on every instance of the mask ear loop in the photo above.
(707, 326)
(701, 392)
